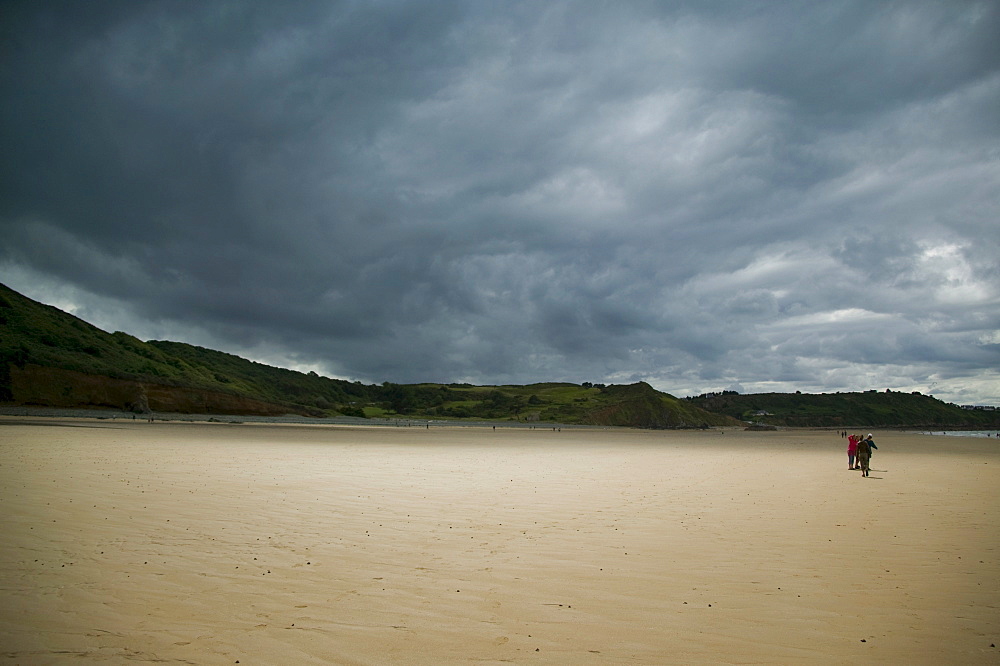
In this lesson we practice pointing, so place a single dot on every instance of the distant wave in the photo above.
(962, 433)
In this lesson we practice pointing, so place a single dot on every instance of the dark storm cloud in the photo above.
(700, 195)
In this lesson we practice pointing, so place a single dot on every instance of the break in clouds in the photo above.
(702, 195)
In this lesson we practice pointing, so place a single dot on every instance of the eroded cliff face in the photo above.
(54, 387)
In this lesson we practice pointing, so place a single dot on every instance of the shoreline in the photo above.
(9, 411)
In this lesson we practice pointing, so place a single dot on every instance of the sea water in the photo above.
(963, 433)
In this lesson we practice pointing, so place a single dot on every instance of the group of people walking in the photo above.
(859, 452)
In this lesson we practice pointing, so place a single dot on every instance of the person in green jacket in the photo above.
(865, 447)
(864, 454)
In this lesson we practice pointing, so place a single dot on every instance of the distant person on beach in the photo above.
(852, 451)
(864, 456)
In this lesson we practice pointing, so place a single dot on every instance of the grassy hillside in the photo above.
(35, 334)
(308, 391)
(871, 408)
(635, 405)
(49, 357)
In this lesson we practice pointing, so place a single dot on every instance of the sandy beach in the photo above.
(279, 544)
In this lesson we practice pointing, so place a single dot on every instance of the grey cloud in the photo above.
(696, 194)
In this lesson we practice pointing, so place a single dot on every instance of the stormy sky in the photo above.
(704, 195)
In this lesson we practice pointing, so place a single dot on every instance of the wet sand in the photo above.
(276, 544)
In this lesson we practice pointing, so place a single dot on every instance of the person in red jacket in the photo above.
(852, 451)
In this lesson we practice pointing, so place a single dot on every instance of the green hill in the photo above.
(49, 357)
(843, 410)
(635, 405)
(52, 358)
